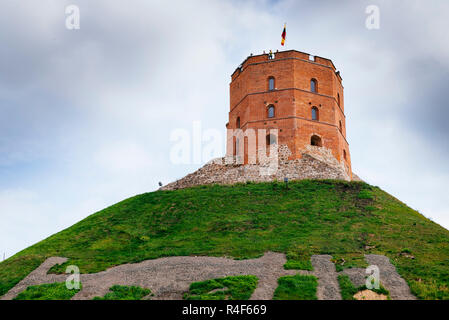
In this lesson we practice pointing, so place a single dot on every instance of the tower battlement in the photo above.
(289, 54)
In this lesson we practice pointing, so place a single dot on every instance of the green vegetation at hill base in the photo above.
(228, 288)
(52, 291)
(348, 290)
(298, 287)
(349, 260)
(343, 219)
(299, 260)
(117, 292)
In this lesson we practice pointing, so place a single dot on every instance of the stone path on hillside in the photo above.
(389, 278)
(38, 276)
(170, 277)
(324, 270)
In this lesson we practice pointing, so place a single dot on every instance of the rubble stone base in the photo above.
(315, 163)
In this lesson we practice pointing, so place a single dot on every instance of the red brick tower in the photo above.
(298, 94)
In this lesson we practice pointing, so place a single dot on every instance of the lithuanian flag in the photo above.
(284, 33)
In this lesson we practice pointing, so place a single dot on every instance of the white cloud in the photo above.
(123, 156)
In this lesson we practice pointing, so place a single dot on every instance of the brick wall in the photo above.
(293, 100)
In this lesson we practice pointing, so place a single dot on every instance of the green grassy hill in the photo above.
(346, 220)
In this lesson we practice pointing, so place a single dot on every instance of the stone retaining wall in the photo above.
(316, 163)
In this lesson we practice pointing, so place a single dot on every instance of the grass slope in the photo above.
(228, 288)
(297, 287)
(246, 220)
(117, 292)
(52, 291)
(348, 290)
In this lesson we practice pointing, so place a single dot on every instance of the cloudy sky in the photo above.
(86, 115)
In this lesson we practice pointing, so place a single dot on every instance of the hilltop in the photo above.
(344, 219)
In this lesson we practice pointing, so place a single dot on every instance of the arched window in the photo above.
(313, 85)
(271, 139)
(238, 123)
(315, 114)
(236, 147)
(344, 154)
(271, 83)
(338, 98)
(316, 141)
(271, 111)
(341, 126)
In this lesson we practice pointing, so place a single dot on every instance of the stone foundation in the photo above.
(315, 163)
